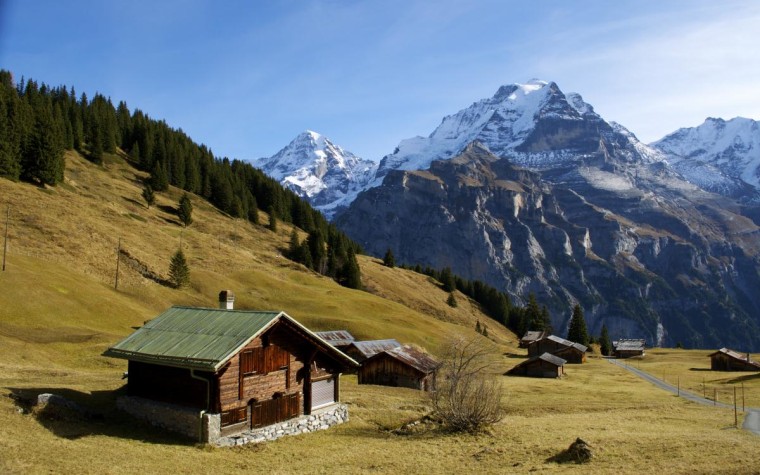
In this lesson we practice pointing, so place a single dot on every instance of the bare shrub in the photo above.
(468, 394)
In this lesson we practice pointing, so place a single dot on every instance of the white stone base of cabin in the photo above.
(319, 419)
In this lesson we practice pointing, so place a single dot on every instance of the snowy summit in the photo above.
(320, 171)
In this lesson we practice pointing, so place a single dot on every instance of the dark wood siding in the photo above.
(268, 412)
(387, 371)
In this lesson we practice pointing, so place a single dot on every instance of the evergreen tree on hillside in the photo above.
(158, 179)
(577, 331)
(185, 210)
(352, 277)
(605, 345)
(452, 300)
(179, 272)
(148, 195)
(388, 259)
(447, 279)
(533, 314)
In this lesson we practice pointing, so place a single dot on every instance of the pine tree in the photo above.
(158, 178)
(451, 301)
(605, 345)
(148, 195)
(185, 210)
(477, 327)
(272, 222)
(294, 245)
(352, 277)
(577, 331)
(388, 259)
(533, 314)
(179, 272)
(447, 279)
(485, 331)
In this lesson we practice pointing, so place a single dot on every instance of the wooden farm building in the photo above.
(569, 351)
(361, 350)
(628, 348)
(545, 365)
(402, 366)
(252, 368)
(530, 337)
(729, 360)
(340, 339)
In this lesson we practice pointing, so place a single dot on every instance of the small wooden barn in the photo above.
(253, 368)
(340, 339)
(403, 366)
(545, 365)
(729, 360)
(628, 348)
(530, 337)
(361, 350)
(570, 351)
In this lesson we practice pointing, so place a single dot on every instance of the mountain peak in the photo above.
(318, 170)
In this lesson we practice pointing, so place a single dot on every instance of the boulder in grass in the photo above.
(578, 452)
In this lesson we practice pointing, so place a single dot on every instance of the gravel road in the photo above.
(751, 421)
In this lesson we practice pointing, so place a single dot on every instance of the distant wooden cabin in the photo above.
(545, 365)
(402, 366)
(361, 350)
(628, 348)
(340, 339)
(530, 337)
(253, 368)
(570, 351)
(729, 360)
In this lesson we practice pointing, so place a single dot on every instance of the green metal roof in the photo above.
(204, 338)
(199, 338)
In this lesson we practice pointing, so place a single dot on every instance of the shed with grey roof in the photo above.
(545, 365)
(403, 366)
(568, 350)
(361, 350)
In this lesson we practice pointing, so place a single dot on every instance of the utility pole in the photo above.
(118, 258)
(5, 242)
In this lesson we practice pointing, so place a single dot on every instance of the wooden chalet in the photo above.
(361, 350)
(545, 365)
(340, 339)
(729, 360)
(570, 351)
(530, 337)
(402, 366)
(628, 348)
(253, 368)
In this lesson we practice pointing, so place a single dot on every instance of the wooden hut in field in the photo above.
(545, 365)
(361, 350)
(340, 339)
(628, 348)
(530, 337)
(238, 369)
(729, 360)
(402, 366)
(570, 351)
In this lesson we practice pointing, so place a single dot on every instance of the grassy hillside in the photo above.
(59, 310)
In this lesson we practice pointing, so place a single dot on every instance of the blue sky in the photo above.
(245, 77)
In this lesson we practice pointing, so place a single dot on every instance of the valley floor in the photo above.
(631, 426)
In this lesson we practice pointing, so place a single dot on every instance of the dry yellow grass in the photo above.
(59, 311)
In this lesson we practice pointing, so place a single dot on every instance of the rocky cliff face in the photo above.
(619, 232)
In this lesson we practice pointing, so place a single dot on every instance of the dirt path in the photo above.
(751, 420)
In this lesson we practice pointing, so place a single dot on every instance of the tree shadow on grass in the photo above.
(75, 414)
(700, 369)
(744, 378)
(515, 355)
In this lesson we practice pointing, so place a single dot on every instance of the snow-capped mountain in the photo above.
(535, 124)
(532, 191)
(320, 171)
(718, 155)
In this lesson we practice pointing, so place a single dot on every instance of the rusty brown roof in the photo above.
(415, 358)
(743, 357)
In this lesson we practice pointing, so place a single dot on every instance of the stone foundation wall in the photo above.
(183, 420)
(207, 428)
(319, 419)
